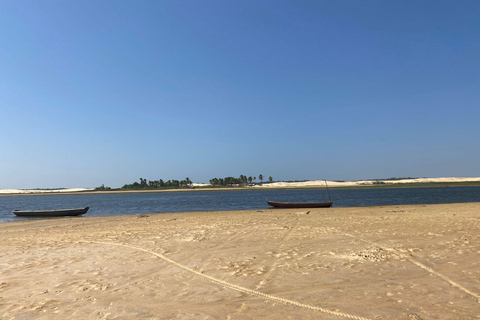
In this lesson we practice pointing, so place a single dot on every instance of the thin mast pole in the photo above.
(328, 191)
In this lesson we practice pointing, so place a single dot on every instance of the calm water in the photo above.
(125, 204)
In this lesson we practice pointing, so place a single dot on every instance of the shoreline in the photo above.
(226, 212)
(380, 262)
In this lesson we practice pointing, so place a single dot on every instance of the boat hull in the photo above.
(51, 213)
(300, 204)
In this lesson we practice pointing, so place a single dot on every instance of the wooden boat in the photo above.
(300, 204)
(303, 204)
(51, 213)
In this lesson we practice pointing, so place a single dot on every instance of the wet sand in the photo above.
(387, 262)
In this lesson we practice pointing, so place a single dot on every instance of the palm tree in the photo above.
(270, 179)
(261, 178)
(244, 180)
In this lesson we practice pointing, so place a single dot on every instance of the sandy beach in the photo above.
(388, 262)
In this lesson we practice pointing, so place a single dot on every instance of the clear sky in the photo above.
(106, 92)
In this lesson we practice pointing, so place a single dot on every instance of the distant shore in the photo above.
(314, 184)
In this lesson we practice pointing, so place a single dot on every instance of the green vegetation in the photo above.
(242, 181)
(159, 184)
(227, 182)
(103, 188)
(151, 185)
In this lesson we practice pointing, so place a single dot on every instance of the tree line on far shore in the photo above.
(241, 181)
(159, 184)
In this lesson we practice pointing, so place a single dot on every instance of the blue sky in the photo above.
(106, 92)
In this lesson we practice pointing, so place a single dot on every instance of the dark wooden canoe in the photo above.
(51, 213)
(300, 204)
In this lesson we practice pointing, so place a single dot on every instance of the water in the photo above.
(141, 203)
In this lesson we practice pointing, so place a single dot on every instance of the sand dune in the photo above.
(24, 191)
(360, 182)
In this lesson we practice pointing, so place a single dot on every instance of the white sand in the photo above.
(21, 191)
(360, 182)
(201, 184)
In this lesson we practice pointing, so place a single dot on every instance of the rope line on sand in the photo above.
(235, 287)
(418, 264)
